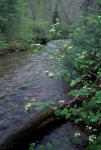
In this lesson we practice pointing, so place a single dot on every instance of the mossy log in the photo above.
(33, 125)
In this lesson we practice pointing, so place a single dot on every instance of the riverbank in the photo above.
(26, 83)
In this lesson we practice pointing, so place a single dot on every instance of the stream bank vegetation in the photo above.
(83, 55)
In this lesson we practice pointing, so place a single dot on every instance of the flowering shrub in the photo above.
(85, 55)
(55, 31)
(37, 47)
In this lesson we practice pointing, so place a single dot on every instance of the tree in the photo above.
(15, 22)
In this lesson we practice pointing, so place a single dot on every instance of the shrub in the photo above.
(85, 53)
(3, 47)
(40, 32)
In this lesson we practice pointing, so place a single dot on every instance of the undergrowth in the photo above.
(83, 55)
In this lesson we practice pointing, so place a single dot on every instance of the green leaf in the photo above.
(80, 92)
(94, 119)
(99, 74)
(57, 112)
(97, 97)
(74, 111)
(98, 100)
(65, 75)
(78, 120)
(65, 113)
(77, 80)
(83, 115)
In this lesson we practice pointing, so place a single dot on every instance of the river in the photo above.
(23, 80)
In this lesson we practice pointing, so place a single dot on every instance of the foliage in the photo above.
(15, 23)
(55, 31)
(85, 54)
(31, 146)
(40, 32)
(95, 145)
(37, 47)
(3, 47)
(49, 145)
(59, 30)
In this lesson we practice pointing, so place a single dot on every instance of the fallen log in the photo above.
(33, 125)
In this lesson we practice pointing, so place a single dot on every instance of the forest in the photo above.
(50, 74)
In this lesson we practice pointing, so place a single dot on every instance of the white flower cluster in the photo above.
(61, 101)
(28, 106)
(81, 56)
(77, 134)
(49, 74)
(85, 87)
(38, 44)
(70, 47)
(72, 83)
(92, 137)
(57, 19)
(85, 52)
(99, 17)
(53, 30)
(65, 45)
(55, 27)
(88, 127)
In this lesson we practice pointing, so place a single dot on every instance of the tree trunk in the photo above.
(85, 10)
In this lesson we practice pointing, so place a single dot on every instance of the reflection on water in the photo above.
(9, 63)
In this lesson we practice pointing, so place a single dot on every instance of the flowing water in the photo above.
(23, 79)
